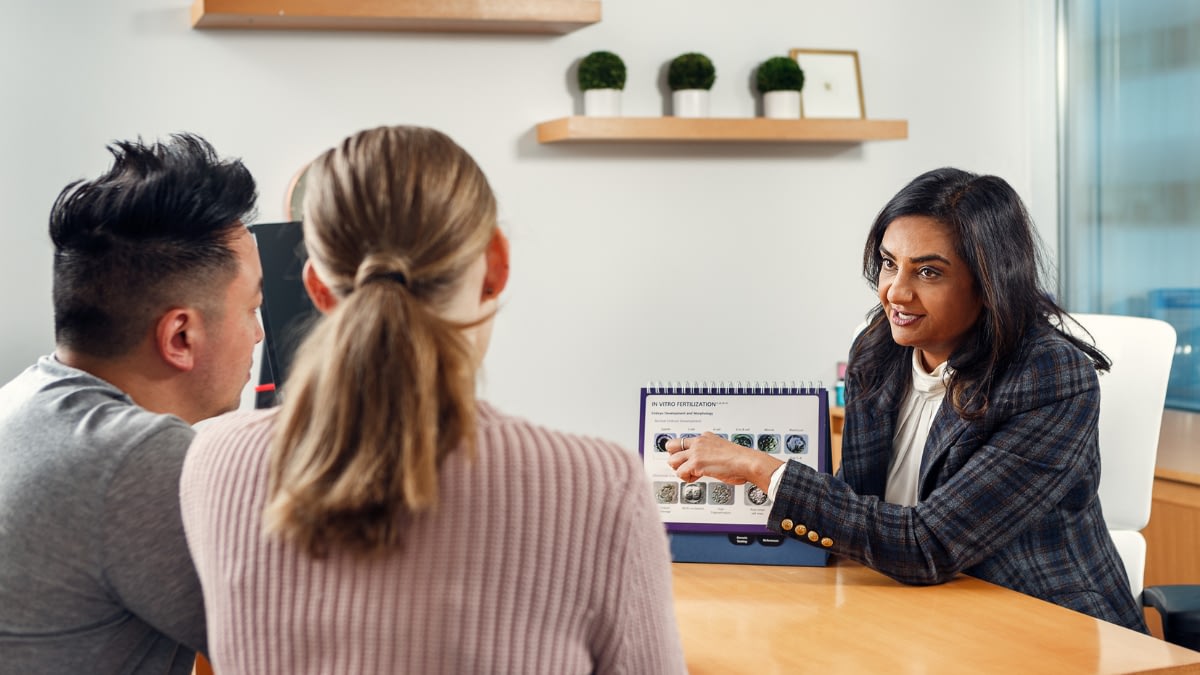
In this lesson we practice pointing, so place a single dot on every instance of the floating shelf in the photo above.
(490, 16)
(580, 129)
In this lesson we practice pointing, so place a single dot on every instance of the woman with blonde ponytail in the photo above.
(383, 520)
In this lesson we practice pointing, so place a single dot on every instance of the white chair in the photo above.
(1132, 396)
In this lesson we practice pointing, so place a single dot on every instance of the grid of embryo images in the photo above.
(721, 494)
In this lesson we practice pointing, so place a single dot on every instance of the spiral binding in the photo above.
(732, 388)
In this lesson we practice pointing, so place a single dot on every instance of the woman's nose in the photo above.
(899, 291)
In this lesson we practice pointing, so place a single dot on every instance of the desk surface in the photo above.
(847, 618)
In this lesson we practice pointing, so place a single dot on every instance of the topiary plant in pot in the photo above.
(602, 78)
(690, 77)
(779, 80)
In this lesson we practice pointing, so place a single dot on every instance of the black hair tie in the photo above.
(397, 277)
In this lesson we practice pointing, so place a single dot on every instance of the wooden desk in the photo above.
(848, 618)
(1173, 533)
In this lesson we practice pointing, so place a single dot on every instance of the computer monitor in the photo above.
(287, 312)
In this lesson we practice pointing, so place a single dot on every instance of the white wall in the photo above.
(631, 262)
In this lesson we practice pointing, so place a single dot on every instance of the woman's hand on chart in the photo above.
(710, 456)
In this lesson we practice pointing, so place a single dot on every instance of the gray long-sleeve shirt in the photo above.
(95, 575)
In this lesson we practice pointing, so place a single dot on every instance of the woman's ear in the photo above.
(496, 277)
(322, 298)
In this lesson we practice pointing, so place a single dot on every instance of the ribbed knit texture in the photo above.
(545, 555)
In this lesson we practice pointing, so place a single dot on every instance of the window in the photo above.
(1130, 168)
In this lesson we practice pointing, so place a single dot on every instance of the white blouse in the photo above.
(916, 415)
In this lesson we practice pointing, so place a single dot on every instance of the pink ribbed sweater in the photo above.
(545, 555)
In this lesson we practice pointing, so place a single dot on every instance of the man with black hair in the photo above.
(156, 287)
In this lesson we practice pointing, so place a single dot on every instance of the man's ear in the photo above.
(322, 298)
(496, 277)
(176, 335)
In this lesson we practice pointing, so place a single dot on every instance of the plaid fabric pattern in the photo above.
(1010, 498)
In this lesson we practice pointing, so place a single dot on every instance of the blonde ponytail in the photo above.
(383, 387)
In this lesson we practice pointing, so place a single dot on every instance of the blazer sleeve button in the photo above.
(827, 542)
(813, 536)
(786, 524)
(800, 530)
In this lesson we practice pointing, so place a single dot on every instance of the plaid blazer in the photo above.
(1009, 498)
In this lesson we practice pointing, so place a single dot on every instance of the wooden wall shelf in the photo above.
(491, 16)
(718, 129)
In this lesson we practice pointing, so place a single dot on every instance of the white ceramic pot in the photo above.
(602, 102)
(690, 102)
(782, 105)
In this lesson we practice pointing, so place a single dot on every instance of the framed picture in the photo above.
(832, 83)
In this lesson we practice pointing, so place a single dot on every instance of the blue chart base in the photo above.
(747, 549)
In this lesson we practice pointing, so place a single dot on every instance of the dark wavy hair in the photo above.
(152, 232)
(993, 234)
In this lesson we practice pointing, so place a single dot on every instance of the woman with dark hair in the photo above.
(970, 438)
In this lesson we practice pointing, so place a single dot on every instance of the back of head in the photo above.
(152, 232)
(994, 235)
(383, 387)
